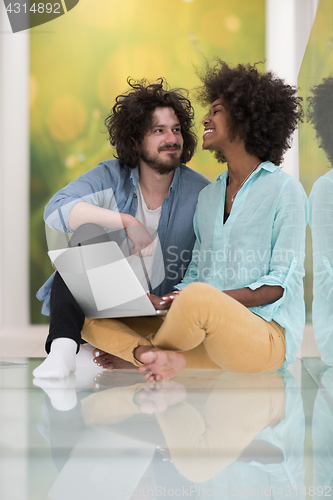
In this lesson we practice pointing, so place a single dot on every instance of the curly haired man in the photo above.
(151, 128)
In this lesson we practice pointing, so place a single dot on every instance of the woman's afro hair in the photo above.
(320, 114)
(263, 110)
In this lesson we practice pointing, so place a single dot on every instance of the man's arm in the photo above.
(84, 213)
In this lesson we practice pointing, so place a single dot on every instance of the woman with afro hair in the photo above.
(240, 306)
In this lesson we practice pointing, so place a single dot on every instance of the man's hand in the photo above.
(143, 242)
(163, 303)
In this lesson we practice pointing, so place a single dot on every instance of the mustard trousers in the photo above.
(237, 408)
(212, 329)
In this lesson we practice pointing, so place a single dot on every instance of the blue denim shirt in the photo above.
(113, 185)
(261, 243)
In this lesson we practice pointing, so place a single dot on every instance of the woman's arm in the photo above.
(287, 254)
(266, 294)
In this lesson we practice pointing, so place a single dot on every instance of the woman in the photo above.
(241, 307)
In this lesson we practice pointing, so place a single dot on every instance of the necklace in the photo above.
(242, 184)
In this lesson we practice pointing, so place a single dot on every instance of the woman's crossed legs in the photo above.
(204, 328)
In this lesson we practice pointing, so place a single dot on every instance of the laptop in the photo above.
(102, 280)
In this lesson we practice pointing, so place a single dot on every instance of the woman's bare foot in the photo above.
(158, 396)
(111, 362)
(159, 365)
(109, 379)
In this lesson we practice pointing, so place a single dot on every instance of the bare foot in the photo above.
(158, 396)
(109, 379)
(111, 362)
(160, 365)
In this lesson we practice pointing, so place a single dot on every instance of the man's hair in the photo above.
(131, 118)
(264, 110)
(320, 114)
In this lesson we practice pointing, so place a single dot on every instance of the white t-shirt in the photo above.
(150, 219)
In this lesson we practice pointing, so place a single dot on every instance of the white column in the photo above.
(14, 174)
(288, 27)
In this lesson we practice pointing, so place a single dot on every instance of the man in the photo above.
(147, 185)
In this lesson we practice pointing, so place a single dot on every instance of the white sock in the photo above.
(62, 392)
(85, 357)
(85, 377)
(60, 362)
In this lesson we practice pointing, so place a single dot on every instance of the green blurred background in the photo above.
(80, 63)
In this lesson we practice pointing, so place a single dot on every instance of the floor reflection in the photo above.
(228, 435)
(322, 435)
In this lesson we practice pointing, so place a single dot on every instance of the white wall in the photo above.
(14, 174)
(288, 27)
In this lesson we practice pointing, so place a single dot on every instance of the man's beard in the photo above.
(159, 166)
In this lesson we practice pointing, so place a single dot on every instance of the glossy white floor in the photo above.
(205, 434)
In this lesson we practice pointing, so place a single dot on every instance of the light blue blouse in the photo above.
(261, 243)
(321, 222)
(269, 480)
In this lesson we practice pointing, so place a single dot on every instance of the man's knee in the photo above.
(88, 234)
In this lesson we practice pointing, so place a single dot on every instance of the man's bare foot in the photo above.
(159, 365)
(111, 362)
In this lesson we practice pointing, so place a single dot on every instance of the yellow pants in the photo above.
(237, 408)
(209, 327)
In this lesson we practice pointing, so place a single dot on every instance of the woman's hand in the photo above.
(163, 303)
